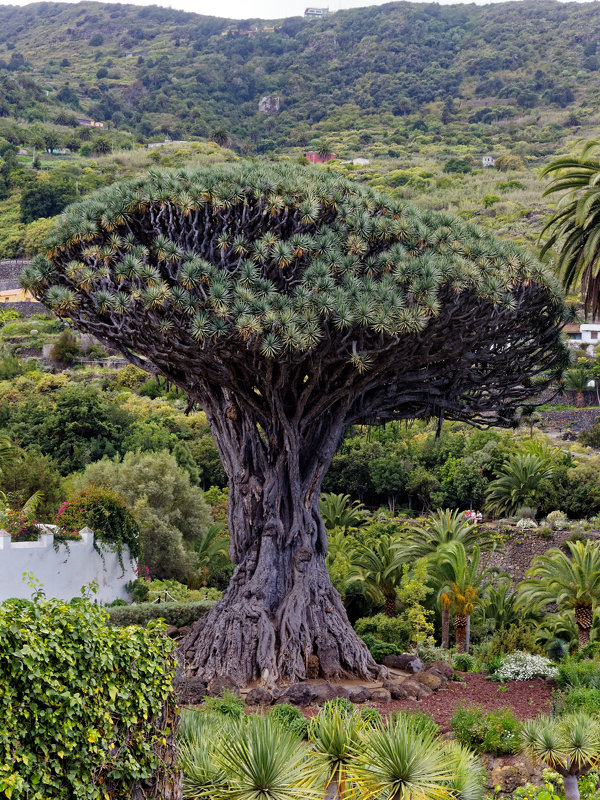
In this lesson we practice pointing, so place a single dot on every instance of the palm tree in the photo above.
(576, 223)
(577, 379)
(399, 762)
(517, 483)
(569, 582)
(378, 567)
(339, 512)
(569, 745)
(438, 530)
(210, 547)
(500, 606)
(464, 579)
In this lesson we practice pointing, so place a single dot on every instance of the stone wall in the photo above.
(573, 421)
(63, 569)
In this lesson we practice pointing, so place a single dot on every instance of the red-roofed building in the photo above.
(318, 158)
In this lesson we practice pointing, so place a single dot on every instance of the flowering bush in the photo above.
(520, 666)
(556, 520)
(526, 524)
(105, 512)
(21, 525)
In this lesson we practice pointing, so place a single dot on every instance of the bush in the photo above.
(463, 662)
(394, 630)
(290, 718)
(508, 640)
(423, 722)
(519, 666)
(378, 649)
(65, 349)
(556, 520)
(496, 732)
(574, 674)
(87, 730)
(105, 512)
(229, 705)
(430, 653)
(178, 614)
(582, 699)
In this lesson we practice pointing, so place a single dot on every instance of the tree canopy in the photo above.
(291, 303)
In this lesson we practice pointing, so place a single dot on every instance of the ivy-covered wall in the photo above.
(63, 569)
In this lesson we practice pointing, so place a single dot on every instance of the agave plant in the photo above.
(569, 745)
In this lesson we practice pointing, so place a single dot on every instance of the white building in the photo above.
(586, 334)
(488, 161)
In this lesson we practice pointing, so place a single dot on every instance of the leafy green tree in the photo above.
(46, 196)
(294, 315)
(570, 582)
(32, 473)
(569, 745)
(170, 512)
(76, 426)
(518, 483)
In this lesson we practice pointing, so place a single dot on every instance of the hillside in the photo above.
(389, 79)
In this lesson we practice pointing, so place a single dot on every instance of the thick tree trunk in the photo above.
(445, 627)
(280, 607)
(571, 785)
(584, 619)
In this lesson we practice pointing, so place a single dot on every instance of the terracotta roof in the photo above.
(572, 327)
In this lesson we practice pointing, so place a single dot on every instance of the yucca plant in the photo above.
(400, 762)
(570, 582)
(338, 305)
(336, 736)
(569, 745)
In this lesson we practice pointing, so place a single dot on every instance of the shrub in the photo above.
(508, 640)
(65, 349)
(340, 704)
(290, 718)
(526, 524)
(463, 662)
(177, 614)
(105, 512)
(378, 649)
(519, 666)
(421, 722)
(582, 699)
(90, 729)
(229, 705)
(394, 630)
(496, 732)
(574, 674)
(430, 653)
(556, 520)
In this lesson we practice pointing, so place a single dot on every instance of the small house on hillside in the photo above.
(585, 335)
(488, 161)
(319, 158)
(316, 13)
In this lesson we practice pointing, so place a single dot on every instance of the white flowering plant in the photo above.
(520, 666)
(526, 524)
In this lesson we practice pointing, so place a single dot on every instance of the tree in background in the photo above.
(571, 583)
(172, 514)
(378, 568)
(577, 379)
(575, 227)
(291, 303)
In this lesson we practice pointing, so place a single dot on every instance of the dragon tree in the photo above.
(289, 304)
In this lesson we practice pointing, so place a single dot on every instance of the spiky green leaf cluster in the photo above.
(275, 256)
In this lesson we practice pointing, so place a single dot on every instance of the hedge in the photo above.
(84, 706)
(177, 614)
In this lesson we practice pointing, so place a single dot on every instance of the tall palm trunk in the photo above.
(580, 401)
(445, 627)
(390, 605)
(584, 618)
(460, 623)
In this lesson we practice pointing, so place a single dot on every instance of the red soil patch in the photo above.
(526, 699)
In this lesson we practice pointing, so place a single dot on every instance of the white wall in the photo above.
(63, 571)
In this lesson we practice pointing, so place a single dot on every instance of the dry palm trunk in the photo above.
(445, 628)
(460, 623)
(584, 617)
